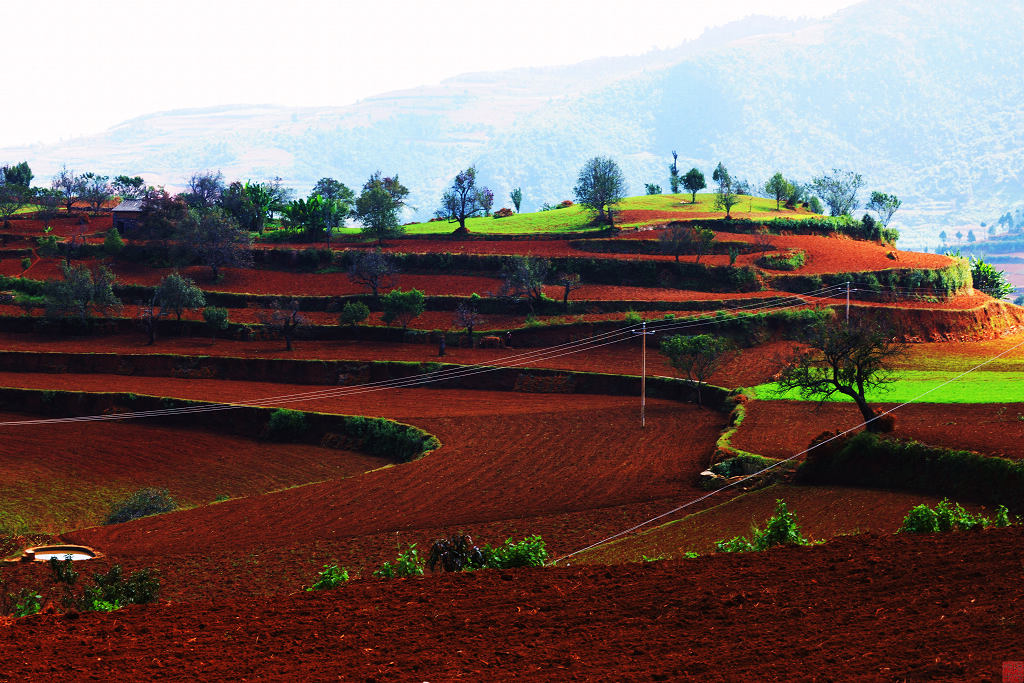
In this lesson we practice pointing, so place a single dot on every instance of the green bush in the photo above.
(142, 503)
(286, 425)
(948, 516)
(408, 563)
(113, 591)
(112, 243)
(27, 602)
(353, 313)
(791, 260)
(26, 263)
(330, 577)
(742, 465)
(389, 439)
(782, 529)
(632, 318)
(529, 552)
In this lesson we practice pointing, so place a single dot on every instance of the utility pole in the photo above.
(643, 372)
(847, 302)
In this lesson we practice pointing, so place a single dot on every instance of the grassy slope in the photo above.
(981, 386)
(576, 219)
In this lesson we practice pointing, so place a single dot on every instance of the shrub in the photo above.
(216, 318)
(27, 602)
(948, 516)
(632, 317)
(407, 564)
(63, 571)
(330, 577)
(504, 212)
(142, 503)
(113, 591)
(112, 243)
(455, 554)
(782, 529)
(989, 280)
(791, 260)
(529, 552)
(26, 263)
(353, 313)
(286, 425)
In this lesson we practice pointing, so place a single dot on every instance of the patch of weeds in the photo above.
(113, 591)
(408, 563)
(781, 529)
(529, 552)
(330, 577)
(632, 317)
(651, 558)
(27, 602)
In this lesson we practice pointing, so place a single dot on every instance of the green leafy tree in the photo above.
(726, 195)
(694, 181)
(216, 318)
(696, 356)
(600, 186)
(353, 313)
(989, 280)
(517, 197)
(849, 358)
(214, 239)
(885, 205)
(779, 188)
(178, 294)
(17, 174)
(838, 190)
(652, 188)
(13, 198)
(81, 293)
(464, 199)
(402, 306)
(378, 205)
(129, 187)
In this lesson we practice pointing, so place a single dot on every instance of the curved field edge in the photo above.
(377, 436)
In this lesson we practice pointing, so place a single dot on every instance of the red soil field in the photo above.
(63, 226)
(545, 453)
(823, 512)
(67, 476)
(782, 428)
(941, 607)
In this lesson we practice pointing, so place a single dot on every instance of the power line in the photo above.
(792, 457)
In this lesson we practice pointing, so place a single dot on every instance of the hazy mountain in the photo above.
(922, 97)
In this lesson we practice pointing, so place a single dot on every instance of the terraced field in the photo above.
(543, 436)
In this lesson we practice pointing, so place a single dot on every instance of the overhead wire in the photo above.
(807, 450)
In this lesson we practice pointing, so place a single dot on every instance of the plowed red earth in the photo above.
(746, 367)
(783, 428)
(942, 607)
(62, 226)
(823, 512)
(68, 476)
(525, 446)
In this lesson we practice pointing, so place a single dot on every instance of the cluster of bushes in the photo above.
(110, 591)
(455, 554)
(790, 260)
(873, 461)
(836, 225)
(948, 516)
(902, 282)
(389, 439)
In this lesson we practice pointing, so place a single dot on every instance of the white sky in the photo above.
(77, 67)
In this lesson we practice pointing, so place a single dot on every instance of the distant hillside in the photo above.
(922, 97)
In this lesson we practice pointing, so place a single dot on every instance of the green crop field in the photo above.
(981, 386)
(578, 219)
